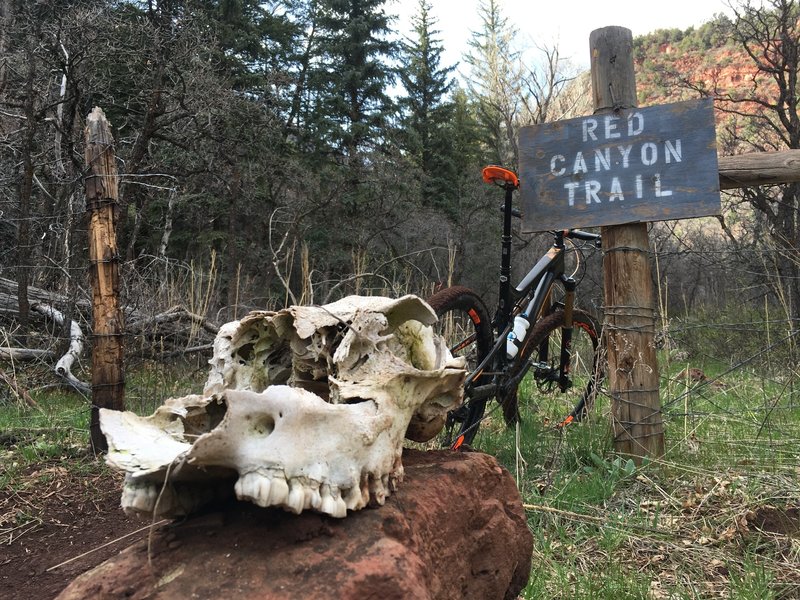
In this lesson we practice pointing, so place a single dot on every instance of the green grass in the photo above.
(58, 428)
(150, 383)
(677, 527)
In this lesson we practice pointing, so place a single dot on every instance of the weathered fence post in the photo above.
(108, 378)
(629, 299)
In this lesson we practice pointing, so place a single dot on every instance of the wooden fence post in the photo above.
(629, 299)
(108, 378)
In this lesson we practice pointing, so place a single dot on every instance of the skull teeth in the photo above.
(140, 498)
(313, 499)
(253, 487)
(296, 496)
(332, 502)
(279, 492)
(354, 500)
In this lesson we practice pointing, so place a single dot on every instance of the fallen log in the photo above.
(8, 296)
(139, 323)
(23, 354)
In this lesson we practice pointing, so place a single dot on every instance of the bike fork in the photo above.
(566, 334)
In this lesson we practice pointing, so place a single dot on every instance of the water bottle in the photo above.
(517, 336)
(511, 345)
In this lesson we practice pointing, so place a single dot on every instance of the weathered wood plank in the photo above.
(625, 166)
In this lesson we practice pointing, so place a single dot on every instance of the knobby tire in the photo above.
(465, 324)
(550, 325)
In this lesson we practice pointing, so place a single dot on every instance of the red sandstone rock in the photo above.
(455, 529)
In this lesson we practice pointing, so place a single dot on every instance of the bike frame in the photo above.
(535, 287)
(530, 297)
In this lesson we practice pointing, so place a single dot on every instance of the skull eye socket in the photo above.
(357, 400)
(245, 353)
(264, 425)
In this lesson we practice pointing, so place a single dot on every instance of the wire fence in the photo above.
(726, 327)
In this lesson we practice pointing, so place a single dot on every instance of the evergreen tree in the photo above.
(463, 133)
(351, 75)
(427, 112)
(495, 81)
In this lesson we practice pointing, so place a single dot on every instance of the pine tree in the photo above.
(496, 84)
(463, 133)
(427, 111)
(351, 75)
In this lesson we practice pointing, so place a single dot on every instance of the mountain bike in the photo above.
(536, 329)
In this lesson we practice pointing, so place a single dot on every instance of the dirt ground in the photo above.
(68, 510)
(53, 515)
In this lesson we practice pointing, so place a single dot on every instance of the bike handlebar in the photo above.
(579, 234)
(575, 234)
(585, 236)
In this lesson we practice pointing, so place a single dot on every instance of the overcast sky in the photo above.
(565, 23)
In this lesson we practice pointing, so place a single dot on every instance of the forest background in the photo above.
(291, 152)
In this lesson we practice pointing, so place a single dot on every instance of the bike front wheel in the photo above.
(465, 326)
(559, 398)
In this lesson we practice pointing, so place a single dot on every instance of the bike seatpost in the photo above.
(509, 181)
(504, 305)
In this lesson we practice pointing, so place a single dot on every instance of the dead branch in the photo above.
(185, 351)
(9, 353)
(63, 367)
(141, 324)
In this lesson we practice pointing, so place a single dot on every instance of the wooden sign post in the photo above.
(108, 381)
(630, 313)
(620, 168)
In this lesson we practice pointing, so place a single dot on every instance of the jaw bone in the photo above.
(305, 408)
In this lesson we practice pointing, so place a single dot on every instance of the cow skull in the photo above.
(305, 408)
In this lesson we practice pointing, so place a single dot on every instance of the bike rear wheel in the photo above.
(540, 357)
(465, 325)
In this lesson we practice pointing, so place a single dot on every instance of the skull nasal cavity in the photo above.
(264, 425)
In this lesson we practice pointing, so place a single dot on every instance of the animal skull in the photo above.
(305, 408)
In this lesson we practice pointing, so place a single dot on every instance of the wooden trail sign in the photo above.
(627, 166)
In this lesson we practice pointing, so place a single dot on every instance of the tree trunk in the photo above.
(6, 18)
(233, 264)
(24, 241)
